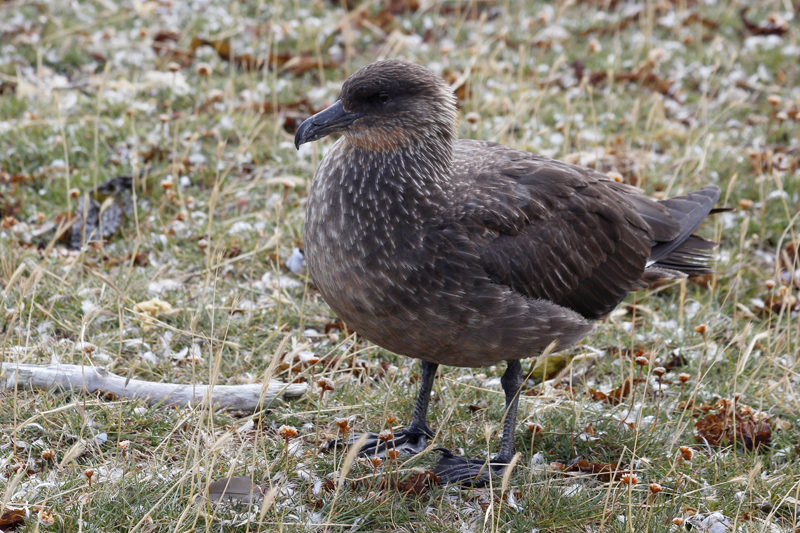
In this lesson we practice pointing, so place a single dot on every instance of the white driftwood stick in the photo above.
(91, 379)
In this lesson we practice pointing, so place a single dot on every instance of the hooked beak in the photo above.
(327, 121)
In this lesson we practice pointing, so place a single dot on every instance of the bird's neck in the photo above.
(417, 177)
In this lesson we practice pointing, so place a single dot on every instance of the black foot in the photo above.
(470, 472)
(409, 441)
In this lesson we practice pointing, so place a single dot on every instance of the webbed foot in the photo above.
(471, 472)
(409, 441)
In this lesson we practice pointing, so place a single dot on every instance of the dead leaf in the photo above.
(418, 483)
(294, 64)
(773, 26)
(234, 488)
(12, 517)
(605, 472)
(734, 421)
(615, 396)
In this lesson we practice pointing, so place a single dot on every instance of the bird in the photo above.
(469, 253)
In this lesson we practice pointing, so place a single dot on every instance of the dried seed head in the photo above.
(74, 193)
(391, 419)
(782, 115)
(167, 184)
(655, 488)
(701, 329)
(745, 204)
(46, 518)
(677, 521)
(325, 384)
(202, 244)
(124, 445)
(203, 69)
(616, 176)
(472, 117)
(40, 217)
(164, 118)
(215, 96)
(173, 66)
(687, 453)
(770, 283)
(642, 361)
(656, 55)
(344, 424)
(386, 435)
(774, 99)
(130, 111)
(89, 472)
(87, 347)
(48, 455)
(594, 46)
(392, 455)
(287, 432)
(629, 479)
(376, 462)
(659, 371)
(683, 378)
(534, 428)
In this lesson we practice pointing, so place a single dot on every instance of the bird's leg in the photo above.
(411, 440)
(476, 472)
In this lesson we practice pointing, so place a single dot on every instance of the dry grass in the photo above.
(669, 96)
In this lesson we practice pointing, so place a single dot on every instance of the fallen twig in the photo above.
(93, 379)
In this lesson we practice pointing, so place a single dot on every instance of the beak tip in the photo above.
(330, 120)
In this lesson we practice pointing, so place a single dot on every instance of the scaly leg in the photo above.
(476, 472)
(411, 440)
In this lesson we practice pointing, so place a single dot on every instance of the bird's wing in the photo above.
(557, 231)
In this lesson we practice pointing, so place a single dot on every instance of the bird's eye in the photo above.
(383, 97)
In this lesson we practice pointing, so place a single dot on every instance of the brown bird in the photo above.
(468, 253)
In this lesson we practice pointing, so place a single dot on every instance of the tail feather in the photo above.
(687, 253)
(693, 257)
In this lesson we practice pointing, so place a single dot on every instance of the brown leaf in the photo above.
(770, 27)
(223, 49)
(12, 517)
(297, 64)
(166, 35)
(677, 361)
(605, 472)
(733, 421)
(615, 396)
(418, 483)
(338, 325)
(141, 259)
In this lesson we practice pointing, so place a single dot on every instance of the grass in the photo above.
(82, 86)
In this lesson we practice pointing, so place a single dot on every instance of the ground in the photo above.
(199, 101)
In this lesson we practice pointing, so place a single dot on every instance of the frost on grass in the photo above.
(203, 279)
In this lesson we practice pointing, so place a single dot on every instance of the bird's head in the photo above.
(388, 105)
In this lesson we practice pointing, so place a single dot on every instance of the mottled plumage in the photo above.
(469, 253)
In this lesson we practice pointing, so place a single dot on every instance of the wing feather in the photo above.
(571, 235)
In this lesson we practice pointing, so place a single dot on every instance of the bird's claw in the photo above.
(409, 441)
(462, 471)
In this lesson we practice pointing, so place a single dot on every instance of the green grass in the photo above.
(715, 127)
